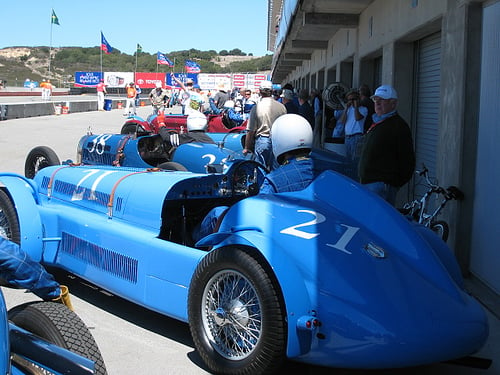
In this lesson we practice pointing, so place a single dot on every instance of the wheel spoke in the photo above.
(233, 317)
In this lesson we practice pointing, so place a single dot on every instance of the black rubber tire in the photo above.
(134, 128)
(38, 158)
(259, 308)
(57, 324)
(333, 95)
(9, 222)
(441, 228)
(172, 166)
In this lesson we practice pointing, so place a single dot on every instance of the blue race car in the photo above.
(126, 150)
(331, 275)
(46, 338)
(150, 151)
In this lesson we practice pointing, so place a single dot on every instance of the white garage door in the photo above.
(485, 254)
(428, 82)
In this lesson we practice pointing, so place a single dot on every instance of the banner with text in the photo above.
(87, 79)
(148, 80)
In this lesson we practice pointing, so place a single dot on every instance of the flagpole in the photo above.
(136, 53)
(156, 76)
(100, 49)
(50, 45)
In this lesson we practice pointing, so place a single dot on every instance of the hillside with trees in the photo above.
(19, 63)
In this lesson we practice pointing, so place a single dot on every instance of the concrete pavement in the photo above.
(134, 340)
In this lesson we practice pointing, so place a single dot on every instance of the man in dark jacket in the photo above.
(305, 109)
(388, 159)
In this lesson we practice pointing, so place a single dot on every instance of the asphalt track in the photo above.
(134, 340)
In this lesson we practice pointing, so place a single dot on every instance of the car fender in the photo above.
(22, 192)
(4, 338)
(443, 252)
(295, 294)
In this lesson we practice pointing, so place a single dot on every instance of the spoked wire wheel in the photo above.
(9, 223)
(38, 158)
(232, 316)
(236, 313)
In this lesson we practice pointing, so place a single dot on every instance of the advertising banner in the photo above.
(87, 79)
(148, 80)
(249, 81)
(183, 77)
(208, 81)
(118, 79)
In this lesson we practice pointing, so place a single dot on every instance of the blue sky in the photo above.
(164, 25)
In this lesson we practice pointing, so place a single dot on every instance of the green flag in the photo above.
(54, 19)
(139, 48)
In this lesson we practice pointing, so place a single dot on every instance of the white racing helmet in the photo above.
(229, 104)
(196, 121)
(290, 132)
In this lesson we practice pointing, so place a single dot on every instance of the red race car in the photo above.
(139, 126)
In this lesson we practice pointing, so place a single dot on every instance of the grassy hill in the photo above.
(19, 63)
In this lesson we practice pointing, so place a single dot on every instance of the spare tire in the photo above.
(333, 95)
(59, 325)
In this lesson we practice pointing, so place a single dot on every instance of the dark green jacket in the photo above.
(388, 154)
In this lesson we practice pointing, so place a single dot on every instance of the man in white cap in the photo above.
(387, 160)
(260, 121)
(158, 98)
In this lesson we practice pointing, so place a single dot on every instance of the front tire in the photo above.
(9, 222)
(57, 324)
(441, 228)
(38, 158)
(236, 314)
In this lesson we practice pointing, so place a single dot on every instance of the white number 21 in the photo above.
(342, 242)
(294, 231)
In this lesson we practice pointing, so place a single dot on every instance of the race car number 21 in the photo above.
(342, 242)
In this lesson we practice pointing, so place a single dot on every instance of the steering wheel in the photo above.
(247, 177)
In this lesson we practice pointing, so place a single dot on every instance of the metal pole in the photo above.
(50, 45)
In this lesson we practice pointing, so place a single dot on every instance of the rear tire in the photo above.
(57, 324)
(441, 228)
(172, 166)
(38, 158)
(134, 128)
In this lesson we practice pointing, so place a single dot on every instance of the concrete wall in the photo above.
(22, 110)
(388, 31)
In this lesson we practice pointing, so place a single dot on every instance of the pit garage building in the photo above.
(443, 58)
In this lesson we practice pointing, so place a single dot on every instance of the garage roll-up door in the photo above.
(428, 96)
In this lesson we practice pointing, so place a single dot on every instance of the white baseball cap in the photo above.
(266, 85)
(385, 92)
